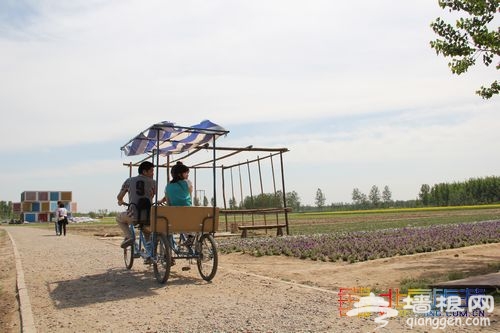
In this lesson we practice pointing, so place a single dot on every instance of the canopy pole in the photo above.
(284, 193)
(224, 192)
(261, 187)
(241, 186)
(157, 174)
(196, 201)
(233, 198)
(274, 182)
(214, 164)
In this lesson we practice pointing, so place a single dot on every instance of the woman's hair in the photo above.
(177, 170)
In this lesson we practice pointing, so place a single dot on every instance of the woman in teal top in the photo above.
(178, 191)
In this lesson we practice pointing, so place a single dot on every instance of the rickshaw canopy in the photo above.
(166, 138)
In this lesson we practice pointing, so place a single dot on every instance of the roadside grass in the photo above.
(426, 282)
(105, 226)
(3, 240)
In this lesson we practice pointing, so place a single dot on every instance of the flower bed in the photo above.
(368, 245)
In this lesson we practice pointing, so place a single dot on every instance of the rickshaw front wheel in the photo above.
(162, 258)
(207, 258)
(128, 256)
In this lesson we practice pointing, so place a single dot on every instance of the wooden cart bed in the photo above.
(177, 219)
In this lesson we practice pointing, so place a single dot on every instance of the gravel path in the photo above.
(79, 284)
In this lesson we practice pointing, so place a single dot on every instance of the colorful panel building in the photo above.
(39, 206)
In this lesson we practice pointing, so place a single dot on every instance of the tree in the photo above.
(386, 195)
(264, 200)
(232, 203)
(475, 191)
(102, 212)
(470, 38)
(374, 195)
(425, 194)
(359, 198)
(320, 198)
(5, 209)
(293, 200)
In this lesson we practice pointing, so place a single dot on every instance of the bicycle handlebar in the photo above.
(128, 204)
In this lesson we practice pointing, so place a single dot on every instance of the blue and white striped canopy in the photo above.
(166, 138)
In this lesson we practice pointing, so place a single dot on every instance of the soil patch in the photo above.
(9, 307)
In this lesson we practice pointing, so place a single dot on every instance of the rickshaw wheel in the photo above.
(162, 259)
(128, 256)
(207, 259)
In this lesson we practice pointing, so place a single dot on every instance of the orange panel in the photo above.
(26, 206)
(66, 196)
(45, 206)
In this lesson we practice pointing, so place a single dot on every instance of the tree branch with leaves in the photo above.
(472, 37)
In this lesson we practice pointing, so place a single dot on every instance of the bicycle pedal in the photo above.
(186, 268)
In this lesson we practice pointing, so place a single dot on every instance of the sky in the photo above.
(352, 89)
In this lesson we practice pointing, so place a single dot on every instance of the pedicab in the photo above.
(168, 224)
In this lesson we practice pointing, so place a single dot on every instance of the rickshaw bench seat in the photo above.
(184, 219)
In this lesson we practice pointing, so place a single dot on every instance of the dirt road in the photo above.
(79, 284)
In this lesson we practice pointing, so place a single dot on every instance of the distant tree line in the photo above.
(267, 200)
(374, 199)
(475, 191)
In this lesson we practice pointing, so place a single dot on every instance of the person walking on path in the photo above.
(62, 218)
(56, 220)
